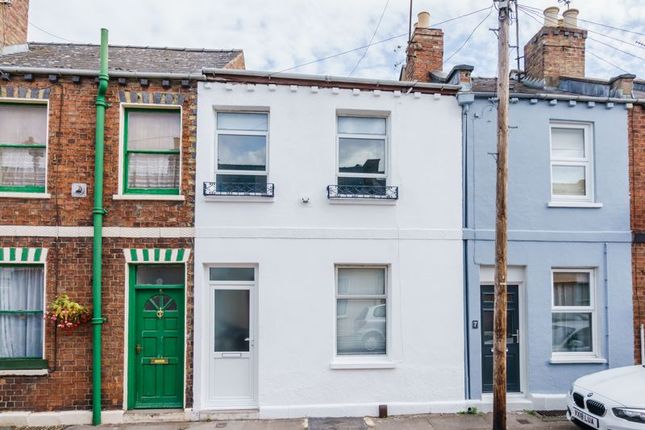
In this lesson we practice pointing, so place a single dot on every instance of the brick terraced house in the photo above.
(637, 175)
(47, 132)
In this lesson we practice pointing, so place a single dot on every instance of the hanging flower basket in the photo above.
(67, 314)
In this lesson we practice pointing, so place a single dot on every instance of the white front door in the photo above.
(232, 344)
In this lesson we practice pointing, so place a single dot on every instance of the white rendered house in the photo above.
(328, 249)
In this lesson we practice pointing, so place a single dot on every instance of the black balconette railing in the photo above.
(362, 192)
(238, 189)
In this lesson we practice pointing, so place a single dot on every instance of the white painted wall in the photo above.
(296, 246)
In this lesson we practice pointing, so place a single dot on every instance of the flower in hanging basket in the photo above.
(67, 314)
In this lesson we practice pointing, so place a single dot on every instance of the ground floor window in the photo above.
(21, 312)
(361, 310)
(573, 322)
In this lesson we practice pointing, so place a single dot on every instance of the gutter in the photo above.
(328, 79)
(97, 243)
(547, 96)
(95, 73)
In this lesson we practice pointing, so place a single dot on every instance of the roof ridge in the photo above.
(163, 48)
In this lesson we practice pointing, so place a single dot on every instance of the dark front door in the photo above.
(512, 338)
(157, 345)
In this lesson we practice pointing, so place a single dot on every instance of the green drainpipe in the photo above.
(97, 244)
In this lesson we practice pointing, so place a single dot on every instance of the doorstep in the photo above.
(155, 416)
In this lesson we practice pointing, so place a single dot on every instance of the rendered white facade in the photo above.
(295, 241)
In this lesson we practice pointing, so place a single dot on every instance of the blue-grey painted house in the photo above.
(569, 251)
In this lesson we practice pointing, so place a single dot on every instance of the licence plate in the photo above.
(585, 418)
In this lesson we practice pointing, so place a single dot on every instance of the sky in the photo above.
(280, 35)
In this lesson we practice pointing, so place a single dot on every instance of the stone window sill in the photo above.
(159, 197)
(362, 363)
(577, 360)
(20, 195)
(24, 372)
(589, 205)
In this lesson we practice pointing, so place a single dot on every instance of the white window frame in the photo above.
(577, 356)
(28, 194)
(586, 161)
(121, 194)
(385, 137)
(364, 360)
(216, 170)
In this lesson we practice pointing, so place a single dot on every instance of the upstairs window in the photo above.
(362, 151)
(571, 162)
(242, 148)
(23, 147)
(152, 151)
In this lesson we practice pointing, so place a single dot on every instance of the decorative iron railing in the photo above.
(362, 192)
(238, 189)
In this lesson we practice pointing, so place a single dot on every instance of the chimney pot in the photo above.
(571, 18)
(424, 53)
(423, 20)
(551, 16)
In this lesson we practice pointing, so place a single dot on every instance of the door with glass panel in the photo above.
(232, 347)
(156, 336)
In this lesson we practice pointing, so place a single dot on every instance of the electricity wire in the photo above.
(590, 22)
(371, 39)
(338, 54)
(631, 44)
(591, 38)
(51, 34)
(490, 10)
(607, 61)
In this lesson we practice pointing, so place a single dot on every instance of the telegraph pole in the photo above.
(501, 245)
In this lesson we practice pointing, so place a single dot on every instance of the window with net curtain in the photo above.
(572, 312)
(23, 147)
(152, 151)
(21, 312)
(361, 311)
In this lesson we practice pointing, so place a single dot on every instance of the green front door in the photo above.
(157, 338)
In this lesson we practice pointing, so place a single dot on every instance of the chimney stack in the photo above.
(14, 16)
(558, 48)
(424, 52)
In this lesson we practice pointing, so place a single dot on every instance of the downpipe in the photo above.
(97, 242)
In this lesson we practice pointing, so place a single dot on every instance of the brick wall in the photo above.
(637, 177)
(72, 122)
(424, 55)
(13, 23)
(555, 52)
(68, 386)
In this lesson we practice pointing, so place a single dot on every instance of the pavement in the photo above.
(516, 421)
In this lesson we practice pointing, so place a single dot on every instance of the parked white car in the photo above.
(612, 399)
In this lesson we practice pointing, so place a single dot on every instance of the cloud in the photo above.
(278, 35)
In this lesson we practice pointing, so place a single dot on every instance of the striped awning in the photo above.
(156, 255)
(23, 255)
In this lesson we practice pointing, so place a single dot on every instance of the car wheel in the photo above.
(373, 342)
